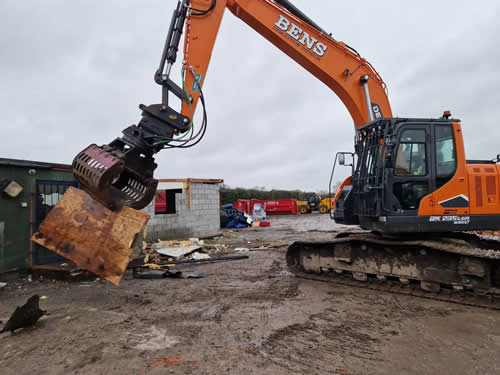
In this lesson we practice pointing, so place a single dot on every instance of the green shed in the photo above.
(28, 190)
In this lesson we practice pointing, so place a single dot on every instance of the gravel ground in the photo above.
(246, 317)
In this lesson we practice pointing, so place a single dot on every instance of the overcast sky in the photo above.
(73, 73)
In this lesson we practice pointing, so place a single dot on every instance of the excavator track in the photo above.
(458, 268)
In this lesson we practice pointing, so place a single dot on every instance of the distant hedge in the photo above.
(231, 195)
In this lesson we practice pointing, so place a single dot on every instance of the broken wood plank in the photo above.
(93, 237)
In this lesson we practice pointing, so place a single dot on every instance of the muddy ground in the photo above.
(246, 317)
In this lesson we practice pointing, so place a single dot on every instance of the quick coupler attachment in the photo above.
(121, 173)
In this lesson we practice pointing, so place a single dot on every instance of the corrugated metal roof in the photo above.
(32, 164)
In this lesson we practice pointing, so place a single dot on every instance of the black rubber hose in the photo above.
(200, 12)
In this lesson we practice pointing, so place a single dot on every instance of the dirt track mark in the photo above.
(321, 344)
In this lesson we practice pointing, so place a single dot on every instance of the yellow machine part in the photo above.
(326, 205)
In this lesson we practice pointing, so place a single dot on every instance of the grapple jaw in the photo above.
(114, 178)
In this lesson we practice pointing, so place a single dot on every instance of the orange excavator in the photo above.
(411, 191)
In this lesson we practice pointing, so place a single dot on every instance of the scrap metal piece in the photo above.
(93, 237)
(179, 251)
(25, 315)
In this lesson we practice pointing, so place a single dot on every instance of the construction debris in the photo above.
(90, 235)
(198, 256)
(170, 273)
(161, 256)
(152, 266)
(242, 250)
(164, 269)
(25, 315)
(194, 248)
(177, 251)
(211, 236)
(193, 261)
(184, 274)
(60, 271)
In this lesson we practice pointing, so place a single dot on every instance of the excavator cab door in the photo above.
(424, 162)
(451, 196)
(413, 176)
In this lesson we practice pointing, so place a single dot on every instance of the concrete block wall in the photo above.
(201, 219)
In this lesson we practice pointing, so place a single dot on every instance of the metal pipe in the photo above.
(364, 81)
(168, 40)
(168, 70)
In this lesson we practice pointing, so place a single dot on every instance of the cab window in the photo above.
(411, 155)
(446, 161)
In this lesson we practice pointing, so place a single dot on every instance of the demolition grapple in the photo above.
(121, 173)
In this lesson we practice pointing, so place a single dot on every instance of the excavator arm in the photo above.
(121, 173)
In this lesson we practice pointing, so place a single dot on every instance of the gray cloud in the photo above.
(73, 73)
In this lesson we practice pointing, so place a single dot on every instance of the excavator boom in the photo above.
(335, 64)
(121, 173)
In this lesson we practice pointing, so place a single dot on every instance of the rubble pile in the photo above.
(159, 259)
(174, 250)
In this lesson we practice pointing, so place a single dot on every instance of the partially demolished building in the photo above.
(184, 208)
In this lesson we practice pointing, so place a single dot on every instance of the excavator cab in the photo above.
(399, 162)
(411, 176)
